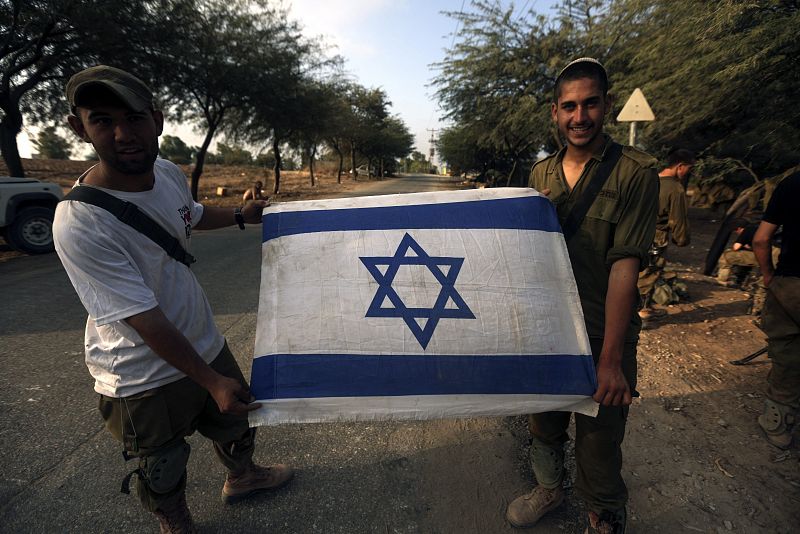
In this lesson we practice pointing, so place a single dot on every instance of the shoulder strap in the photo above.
(130, 214)
(577, 214)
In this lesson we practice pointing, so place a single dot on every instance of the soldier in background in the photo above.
(739, 255)
(781, 311)
(253, 193)
(672, 221)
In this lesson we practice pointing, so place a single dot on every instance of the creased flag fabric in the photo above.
(418, 306)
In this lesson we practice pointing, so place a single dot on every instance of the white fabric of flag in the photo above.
(418, 306)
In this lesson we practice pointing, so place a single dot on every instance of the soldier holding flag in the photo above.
(616, 188)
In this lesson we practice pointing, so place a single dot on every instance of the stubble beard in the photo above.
(583, 142)
(138, 166)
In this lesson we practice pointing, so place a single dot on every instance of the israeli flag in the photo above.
(418, 306)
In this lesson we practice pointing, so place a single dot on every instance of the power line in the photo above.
(452, 42)
(458, 21)
(522, 11)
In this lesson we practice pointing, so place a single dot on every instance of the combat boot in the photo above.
(174, 516)
(607, 522)
(777, 422)
(254, 479)
(526, 510)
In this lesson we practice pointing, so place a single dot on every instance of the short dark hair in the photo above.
(680, 155)
(581, 69)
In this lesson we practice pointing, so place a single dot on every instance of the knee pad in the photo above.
(163, 470)
(547, 463)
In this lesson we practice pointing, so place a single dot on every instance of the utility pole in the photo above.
(432, 150)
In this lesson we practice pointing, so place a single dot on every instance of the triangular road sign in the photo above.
(636, 109)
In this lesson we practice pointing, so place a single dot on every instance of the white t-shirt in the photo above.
(119, 272)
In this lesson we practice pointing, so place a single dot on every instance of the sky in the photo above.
(389, 44)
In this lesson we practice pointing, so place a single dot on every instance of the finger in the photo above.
(240, 408)
(627, 399)
(251, 406)
(599, 395)
(545, 192)
(243, 394)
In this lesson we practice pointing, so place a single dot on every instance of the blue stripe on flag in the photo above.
(288, 376)
(520, 213)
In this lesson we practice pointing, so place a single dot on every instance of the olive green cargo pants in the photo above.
(152, 426)
(734, 258)
(648, 279)
(782, 326)
(598, 445)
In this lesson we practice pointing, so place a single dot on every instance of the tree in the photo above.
(316, 122)
(417, 162)
(496, 82)
(265, 159)
(174, 149)
(370, 110)
(460, 148)
(234, 155)
(231, 50)
(390, 141)
(720, 91)
(275, 99)
(343, 122)
(51, 145)
(43, 42)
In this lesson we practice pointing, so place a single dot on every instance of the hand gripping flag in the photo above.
(418, 306)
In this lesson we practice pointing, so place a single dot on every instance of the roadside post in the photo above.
(636, 109)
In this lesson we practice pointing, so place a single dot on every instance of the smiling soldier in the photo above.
(606, 196)
(160, 365)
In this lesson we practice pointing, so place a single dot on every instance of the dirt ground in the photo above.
(694, 457)
(694, 453)
(235, 180)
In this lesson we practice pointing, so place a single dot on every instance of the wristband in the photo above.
(237, 215)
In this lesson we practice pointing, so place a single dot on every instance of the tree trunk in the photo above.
(9, 128)
(311, 153)
(353, 160)
(511, 174)
(276, 148)
(341, 164)
(380, 175)
(200, 160)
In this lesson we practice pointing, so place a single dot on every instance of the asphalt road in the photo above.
(61, 471)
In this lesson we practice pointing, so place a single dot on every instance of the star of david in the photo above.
(444, 269)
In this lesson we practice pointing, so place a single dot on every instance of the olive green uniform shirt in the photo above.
(673, 213)
(619, 224)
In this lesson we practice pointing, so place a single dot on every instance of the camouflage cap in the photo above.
(133, 92)
(581, 61)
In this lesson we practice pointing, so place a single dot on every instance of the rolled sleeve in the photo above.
(637, 223)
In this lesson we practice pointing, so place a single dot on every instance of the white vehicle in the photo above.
(27, 207)
(363, 170)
